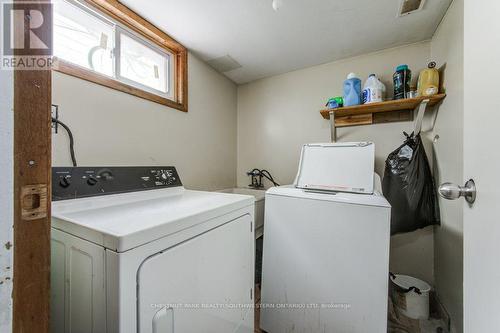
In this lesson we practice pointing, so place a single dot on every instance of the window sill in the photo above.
(85, 74)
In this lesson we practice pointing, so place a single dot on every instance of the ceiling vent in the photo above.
(224, 64)
(407, 7)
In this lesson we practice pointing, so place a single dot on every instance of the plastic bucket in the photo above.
(410, 295)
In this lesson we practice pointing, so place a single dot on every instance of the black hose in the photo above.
(267, 174)
(262, 173)
(71, 139)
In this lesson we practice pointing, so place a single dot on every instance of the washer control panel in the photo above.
(80, 182)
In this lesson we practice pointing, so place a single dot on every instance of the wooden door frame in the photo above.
(32, 172)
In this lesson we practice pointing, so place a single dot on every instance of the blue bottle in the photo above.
(352, 90)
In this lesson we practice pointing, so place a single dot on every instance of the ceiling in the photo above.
(300, 34)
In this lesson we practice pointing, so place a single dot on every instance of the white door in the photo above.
(77, 285)
(204, 284)
(482, 162)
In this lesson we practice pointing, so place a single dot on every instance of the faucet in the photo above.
(256, 178)
(257, 175)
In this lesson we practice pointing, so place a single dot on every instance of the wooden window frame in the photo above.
(133, 21)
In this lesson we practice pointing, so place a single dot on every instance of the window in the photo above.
(105, 42)
(82, 38)
(140, 64)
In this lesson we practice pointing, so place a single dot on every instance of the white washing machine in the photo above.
(325, 261)
(133, 251)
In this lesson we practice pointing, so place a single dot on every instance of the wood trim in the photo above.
(103, 80)
(118, 11)
(361, 119)
(181, 90)
(141, 26)
(32, 142)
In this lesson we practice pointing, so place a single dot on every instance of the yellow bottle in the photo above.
(428, 81)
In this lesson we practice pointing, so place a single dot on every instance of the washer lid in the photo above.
(124, 221)
(375, 199)
(337, 167)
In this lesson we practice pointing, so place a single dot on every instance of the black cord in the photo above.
(267, 174)
(71, 139)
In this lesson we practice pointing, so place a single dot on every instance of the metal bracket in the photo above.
(33, 202)
(333, 129)
(420, 116)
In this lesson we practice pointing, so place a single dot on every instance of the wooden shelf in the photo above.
(388, 111)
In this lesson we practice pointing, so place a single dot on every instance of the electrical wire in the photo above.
(71, 139)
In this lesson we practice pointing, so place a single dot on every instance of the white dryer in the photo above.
(325, 261)
(133, 251)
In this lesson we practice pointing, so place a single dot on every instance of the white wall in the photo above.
(114, 128)
(447, 48)
(277, 115)
(6, 198)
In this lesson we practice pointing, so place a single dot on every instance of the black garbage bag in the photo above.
(409, 187)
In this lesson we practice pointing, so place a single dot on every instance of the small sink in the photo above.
(259, 205)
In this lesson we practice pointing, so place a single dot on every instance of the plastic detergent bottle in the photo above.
(428, 81)
(352, 90)
(402, 79)
(373, 90)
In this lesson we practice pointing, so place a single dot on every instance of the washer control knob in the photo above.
(92, 180)
(164, 176)
(105, 174)
(65, 181)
